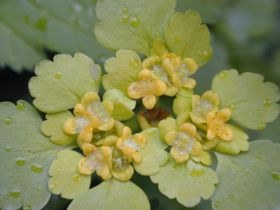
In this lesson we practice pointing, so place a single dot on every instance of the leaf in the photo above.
(183, 102)
(111, 195)
(153, 154)
(132, 25)
(187, 37)
(250, 180)
(187, 182)
(236, 145)
(122, 105)
(53, 127)
(27, 27)
(59, 85)
(25, 158)
(65, 178)
(122, 70)
(251, 100)
(166, 125)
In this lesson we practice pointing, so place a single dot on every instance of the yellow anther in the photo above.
(149, 87)
(216, 125)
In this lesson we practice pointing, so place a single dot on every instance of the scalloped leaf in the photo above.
(187, 37)
(53, 127)
(111, 195)
(25, 158)
(65, 178)
(251, 100)
(187, 182)
(28, 27)
(121, 70)
(122, 105)
(132, 25)
(153, 154)
(250, 180)
(60, 84)
(238, 144)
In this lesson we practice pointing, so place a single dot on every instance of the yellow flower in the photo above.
(90, 115)
(130, 144)
(148, 88)
(183, 143)
(98, 159)
(216, 125)
(201, 106)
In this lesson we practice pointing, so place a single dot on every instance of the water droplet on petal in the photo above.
(8, 121)
(222, 75)
(275, 175)
(76, 177)
(36, 168)
(267, 102)
(58, 75)
(20, 106)
(134, 22)
(261, 126)
(27, 207)
(15, 193)
(124, 18)
(20, 161)
(196, 173)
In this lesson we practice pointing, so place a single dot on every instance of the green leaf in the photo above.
(187, 182)
(132, 25)
(122, 70)
(25, 158)
(27, 27)
(187, 37)
(183, 102)
(111, 195)
(250, 180)
(166, 125)
(65, 178)
(53, 127)
(153, 154)
(123, 105)
(59, 85)
(236, 145)
(251, 100)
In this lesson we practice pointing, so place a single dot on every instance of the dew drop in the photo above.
(124, 18)
(216, 204)
(205, 53)
(15, 193)
(57, 75)
(134, 22)
(232, 106)
(125, 10)
(196, 173)
(261, 126)
(267, 102)
(36, 168)
(76, 177)
(222, 75)
(20, 161)
(8, 121)
(8, 149)
(275, 175)
(27, 207)
(20, 106)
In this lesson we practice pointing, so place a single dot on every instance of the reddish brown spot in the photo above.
(153, 116)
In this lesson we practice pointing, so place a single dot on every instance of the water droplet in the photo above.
(20, 161)
(196, 173)
(134, 22)
(232, 106)
(261, 126)
(267, 102)
(36, 168)
(125, 10)
(57, 75)
(8, 121)
(205, 53)
(27, 207)
(8, 149)
(76, 177)
(20, 106)
(77, 7)
(15, 193)
(124, 18)
(41, 24)
(222, 75)
(275, 175)
(216, 204)
(134, 63)
(258, 156)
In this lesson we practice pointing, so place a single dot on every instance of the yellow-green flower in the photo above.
(184, 143)
(201, 106)
(216, 125)
(130, 144)
(149, 87)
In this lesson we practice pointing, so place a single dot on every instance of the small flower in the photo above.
(216, 125)
(148, 88)
(130, 144)
(183, 143)
(201, 106)
(98, 159)
(90, 116)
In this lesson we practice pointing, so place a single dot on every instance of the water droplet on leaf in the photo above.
(58, 75)
(77, 7)
(124, 18)
(27, 207)
(41, 24)
(8, 121)
(134, 22)
(20, 161)
(15, 193)
(275, 175)
(51, 187)
(125, 10)
(267, 102)
(222, 75)
(8, 149)
(20, 106)
(261, 126)
(232, 106)
(36, 168)
(76, 177)
(216, 204)
(196, 173)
